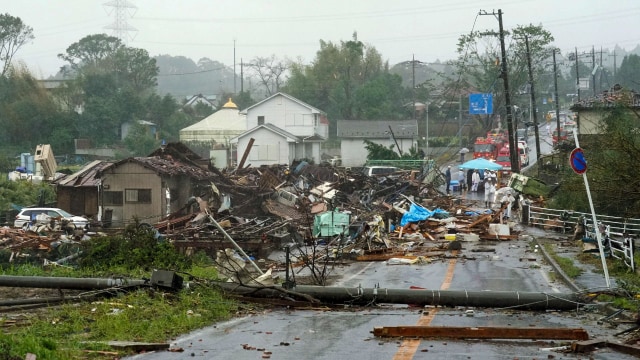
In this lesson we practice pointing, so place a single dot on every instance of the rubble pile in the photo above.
(352, 215)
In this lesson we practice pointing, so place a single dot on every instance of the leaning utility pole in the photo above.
(533, 101)
(513, 153)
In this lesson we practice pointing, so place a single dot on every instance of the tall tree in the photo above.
(333, 80)
(478, 67)
(13, 35)
(270, 72)
(91, 51)
(629, 73)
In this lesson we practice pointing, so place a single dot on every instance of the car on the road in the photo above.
(522, 134)
(29, 215)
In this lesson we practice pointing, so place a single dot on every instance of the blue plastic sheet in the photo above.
(418, 213)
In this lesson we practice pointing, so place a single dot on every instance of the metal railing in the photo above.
(402, 164)
(618, 233)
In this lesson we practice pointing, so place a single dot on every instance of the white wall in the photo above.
(285, 114)
(268, 148)
(354, 153)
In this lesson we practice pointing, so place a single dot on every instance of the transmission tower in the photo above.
(122, 9)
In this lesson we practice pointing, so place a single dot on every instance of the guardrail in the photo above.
(402, 164)
(618, 234)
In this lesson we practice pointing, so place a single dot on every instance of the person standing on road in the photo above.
(475, 180)
(447, 178)
(461, 180)
(509, 199)
(489, 192)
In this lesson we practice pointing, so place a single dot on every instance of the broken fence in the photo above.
(619, 233)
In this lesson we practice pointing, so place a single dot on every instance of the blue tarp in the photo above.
(418, 213)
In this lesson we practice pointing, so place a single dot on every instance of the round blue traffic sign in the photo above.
(577, 161)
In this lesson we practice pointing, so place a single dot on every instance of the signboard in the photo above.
(480, 104)
(577, 161)
(584, 84)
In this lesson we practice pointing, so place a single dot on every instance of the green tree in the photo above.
(333, 79)
(139, 141)
(629, 73)
(91, 52)
(29, 113)
(13, 35)
(379, 98)
(478, 67)
(112, 86)
(136, 69)
(612, 155)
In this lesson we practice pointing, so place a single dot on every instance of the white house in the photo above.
(283, 129)
(353, 133)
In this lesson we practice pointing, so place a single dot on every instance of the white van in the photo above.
(379, 170)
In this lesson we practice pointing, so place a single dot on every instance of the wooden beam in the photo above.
(453, 332)
(595, 344)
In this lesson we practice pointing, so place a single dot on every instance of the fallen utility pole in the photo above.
(420, 297)
(46, 282)
(456, 332)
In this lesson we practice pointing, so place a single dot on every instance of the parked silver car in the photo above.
(28, 216)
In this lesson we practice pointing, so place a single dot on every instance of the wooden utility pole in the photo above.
(593, 71)
(533, 100)
(555, 94)
(514, 157)
(513, 153)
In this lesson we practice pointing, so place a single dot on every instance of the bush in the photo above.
(135, 248)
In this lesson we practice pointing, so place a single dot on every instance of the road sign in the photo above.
(480, 104)
(577, 161)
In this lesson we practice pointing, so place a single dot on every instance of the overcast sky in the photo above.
(398, 29)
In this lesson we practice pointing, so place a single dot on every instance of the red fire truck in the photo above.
(488, 147)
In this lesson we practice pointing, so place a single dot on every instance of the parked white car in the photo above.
(27, 216)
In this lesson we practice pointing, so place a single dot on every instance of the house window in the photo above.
(142, 196)
(265, 152)
(112, 198)
(260, 120)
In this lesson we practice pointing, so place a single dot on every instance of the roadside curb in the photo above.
(563, 276)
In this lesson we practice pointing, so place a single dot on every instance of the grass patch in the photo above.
(565, 264)
(144, 314)
(627, 293)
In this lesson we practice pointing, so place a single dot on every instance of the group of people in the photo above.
(487, 177)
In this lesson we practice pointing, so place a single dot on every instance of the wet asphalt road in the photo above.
(342, 334)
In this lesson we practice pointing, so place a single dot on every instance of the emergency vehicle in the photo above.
(485, 148)
(564, 135)
(504, 157)
(489, 147)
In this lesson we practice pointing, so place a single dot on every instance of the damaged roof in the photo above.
(169, 167)
(88, 176)
(377, 128)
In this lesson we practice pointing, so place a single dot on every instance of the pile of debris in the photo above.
(351, 214)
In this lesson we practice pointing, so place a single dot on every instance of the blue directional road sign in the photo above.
(480, 104)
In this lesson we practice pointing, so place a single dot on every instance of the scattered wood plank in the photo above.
(592, 345)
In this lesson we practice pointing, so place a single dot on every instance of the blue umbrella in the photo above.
(481, 164)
